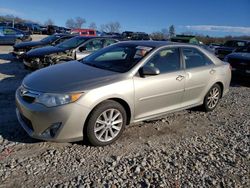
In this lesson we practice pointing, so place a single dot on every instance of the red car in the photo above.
(84, 32)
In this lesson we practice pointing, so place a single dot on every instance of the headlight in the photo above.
(50, 99)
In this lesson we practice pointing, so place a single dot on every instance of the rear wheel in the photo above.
(106, 123)
(212, 98)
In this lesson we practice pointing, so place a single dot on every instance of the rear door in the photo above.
(200, 72)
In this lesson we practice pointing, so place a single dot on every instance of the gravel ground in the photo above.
(185, 149)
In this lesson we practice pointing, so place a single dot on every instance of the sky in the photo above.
(208, 17)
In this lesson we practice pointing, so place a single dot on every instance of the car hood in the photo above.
(28, 44)
(68, 77)
(239, 55)
(47, 50)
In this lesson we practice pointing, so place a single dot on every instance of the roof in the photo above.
(150, 43)
(158, 44)
(183, 37)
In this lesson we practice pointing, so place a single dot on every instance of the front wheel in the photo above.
(106, 123)
(212, 98)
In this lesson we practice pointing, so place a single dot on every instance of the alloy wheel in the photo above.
(213, 98)
(108, 125)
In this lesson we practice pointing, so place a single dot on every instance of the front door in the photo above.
(160, 93)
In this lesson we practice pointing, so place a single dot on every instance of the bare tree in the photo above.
(49, 22)
(70, 23)
(92, 25)
(112, 27)
(79, 21)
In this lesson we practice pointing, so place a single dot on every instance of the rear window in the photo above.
(195, 58)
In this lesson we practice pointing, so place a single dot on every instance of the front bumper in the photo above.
(36, 119)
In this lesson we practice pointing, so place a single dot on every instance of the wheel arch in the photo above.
(122, 102)
(221, 87)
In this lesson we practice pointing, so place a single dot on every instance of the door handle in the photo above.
(212, 71)
(180, 77)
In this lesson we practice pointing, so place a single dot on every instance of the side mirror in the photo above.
(149, 71)
(82, 48)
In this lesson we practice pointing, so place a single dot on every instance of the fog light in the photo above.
(52, 130)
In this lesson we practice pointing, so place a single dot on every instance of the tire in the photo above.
(100, 133)
(212, 98)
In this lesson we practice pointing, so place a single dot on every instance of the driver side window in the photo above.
(166, 60)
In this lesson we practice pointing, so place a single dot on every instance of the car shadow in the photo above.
(12, 73)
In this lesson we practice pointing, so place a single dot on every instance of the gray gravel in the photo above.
(185, 149)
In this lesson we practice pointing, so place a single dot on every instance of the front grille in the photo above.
(27, 122)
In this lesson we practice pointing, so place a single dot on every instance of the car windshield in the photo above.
(118, 58)
(72, 43)
(49, 39)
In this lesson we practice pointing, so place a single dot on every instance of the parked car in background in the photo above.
(84, 32)
(124, 83)
(130, 35)
(229, 47)
(185, 39)
(127, 35)
(52, 29)
(23, 47)
(34, 28)
(213, 46)
(12, 36)
(44, 30)
(140, 36)
(240, 61)
(76, 47)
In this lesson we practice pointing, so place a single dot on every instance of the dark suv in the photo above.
(9, 35)
(129, 35)
(240, 61)
(229, 47)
